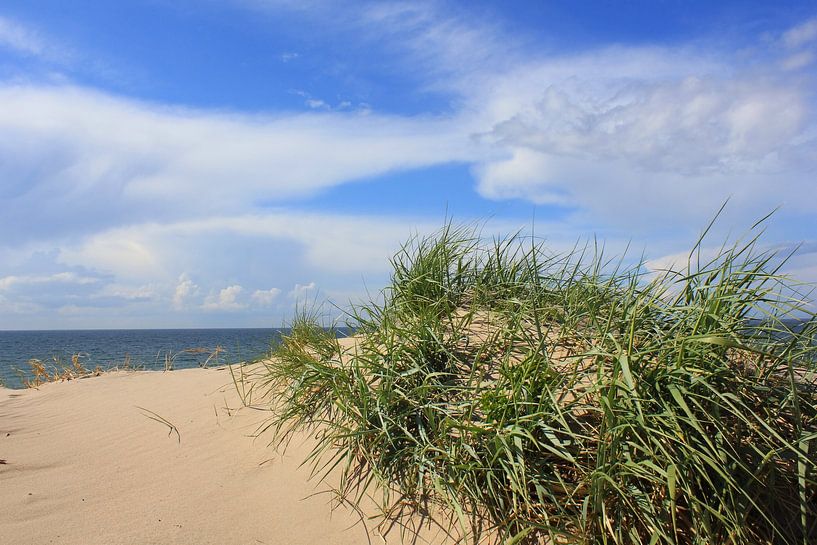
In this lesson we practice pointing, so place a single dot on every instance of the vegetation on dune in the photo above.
(58, 371)
(561, 398)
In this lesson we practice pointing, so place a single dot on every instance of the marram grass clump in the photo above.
(539, 397)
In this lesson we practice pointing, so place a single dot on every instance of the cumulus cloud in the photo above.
(302, 292)
(265, 297)
(524, 174)
(626, 134)
(338, 250)
(185, 289)
(691, 125)
(225, 300)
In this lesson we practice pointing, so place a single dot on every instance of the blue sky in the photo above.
(210, 163)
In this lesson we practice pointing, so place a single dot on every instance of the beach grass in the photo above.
(41, 372)
(535, 396)
(58, 371)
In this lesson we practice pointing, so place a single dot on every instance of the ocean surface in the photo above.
(143, 348)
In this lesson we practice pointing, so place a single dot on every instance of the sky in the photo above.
(180, 163)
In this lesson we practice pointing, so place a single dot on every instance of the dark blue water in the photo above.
(145, 348)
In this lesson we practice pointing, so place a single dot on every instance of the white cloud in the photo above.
(114, 161)
(441, 47)
(801, 34)
(798, 60)
(30, 42)
(319, 104)
(9, 282)
(225, 300)
(342, 253)
(442, 43)
(525, 174)
(680, 262)
(600, 130)
(336, 242)
(582, 131)
(131, 258)
(316, 104)
(265, 297)
(631, 136)
(628, 140)
(690, 125)
(185, 289)
(16, 36)
(302, 293)
(796, 262)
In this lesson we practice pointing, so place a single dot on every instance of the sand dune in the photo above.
(83, 464)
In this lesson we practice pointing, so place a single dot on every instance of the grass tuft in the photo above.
(567, 398)
(58, 371)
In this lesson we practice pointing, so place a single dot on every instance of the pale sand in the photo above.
(83, 465)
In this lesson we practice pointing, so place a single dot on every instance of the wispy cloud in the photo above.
(9, 282)
(112, 160)
(798, 60)
(615, 133)
(16, 36)
(802, 34)
(31, 43)
(438, 45)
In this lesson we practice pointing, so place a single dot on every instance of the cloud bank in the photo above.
(151, 207)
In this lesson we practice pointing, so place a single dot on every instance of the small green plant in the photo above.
(566, 398)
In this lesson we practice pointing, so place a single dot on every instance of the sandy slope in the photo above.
(84, 465)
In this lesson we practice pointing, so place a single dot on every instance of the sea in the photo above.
(149, 349)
